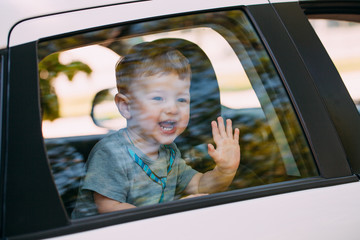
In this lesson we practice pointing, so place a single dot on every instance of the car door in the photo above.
(248, 64)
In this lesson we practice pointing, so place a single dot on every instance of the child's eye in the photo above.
(182, 100)
(157, 98)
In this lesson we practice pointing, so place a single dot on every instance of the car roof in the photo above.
(15, 11)
(25, 22)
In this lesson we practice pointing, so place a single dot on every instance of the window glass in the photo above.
(170, 79)
(341, 40)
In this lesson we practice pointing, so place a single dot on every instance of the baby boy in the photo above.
(141, 165)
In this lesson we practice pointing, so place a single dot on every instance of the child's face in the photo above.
(159, 107)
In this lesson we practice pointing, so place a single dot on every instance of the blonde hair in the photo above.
(148, 59)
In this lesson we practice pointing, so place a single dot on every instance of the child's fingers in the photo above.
(211, 147)
(211, 151)
(229, 128)
(236, 134)
(215, 131)
(221, 126)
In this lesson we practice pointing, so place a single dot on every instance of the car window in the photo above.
(231, 76)
(341, 40)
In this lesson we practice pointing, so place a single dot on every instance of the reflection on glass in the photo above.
(230, 76)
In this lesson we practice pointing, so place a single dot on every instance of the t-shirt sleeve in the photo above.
(107, 175)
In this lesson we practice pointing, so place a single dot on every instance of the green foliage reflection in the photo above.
(50, 68)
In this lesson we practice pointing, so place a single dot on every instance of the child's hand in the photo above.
(227, 152)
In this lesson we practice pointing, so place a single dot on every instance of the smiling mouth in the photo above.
(167, 126)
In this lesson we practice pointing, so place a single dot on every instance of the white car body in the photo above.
(324, 213)
(327, 212)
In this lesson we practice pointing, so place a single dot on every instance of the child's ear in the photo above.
(123, 104)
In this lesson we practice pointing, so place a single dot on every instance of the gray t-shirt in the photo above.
(113, 173)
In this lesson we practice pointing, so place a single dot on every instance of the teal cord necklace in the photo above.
(159, 180)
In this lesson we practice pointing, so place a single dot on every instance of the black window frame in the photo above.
(47, 217)
(348, 125)
(3, 74)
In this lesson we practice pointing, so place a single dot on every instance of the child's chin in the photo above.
(167, 140)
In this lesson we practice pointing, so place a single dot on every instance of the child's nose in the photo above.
(172, 107)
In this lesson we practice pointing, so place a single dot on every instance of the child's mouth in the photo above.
(167, 126)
